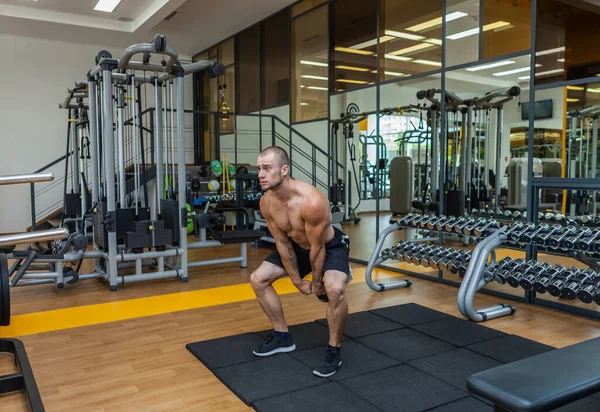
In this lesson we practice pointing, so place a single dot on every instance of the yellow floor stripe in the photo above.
(59, 319)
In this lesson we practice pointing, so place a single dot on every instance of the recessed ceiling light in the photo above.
(351, 81)
(394, 73)
(437, 22)
(560, 60)
(550, 51)
(399, 58)
(433, 41)
(593, 90)
(543, 73)
(490, 66)
(370, 43)
(401, 35)
(311, 63)
(514, 71)
(355, 51)
(572, 100)
(471, 32)
(575, 88)
(303, 104)
(416, 47)
(317, 88)
(353, 68)
(310, 76)
(107, 5)
(428, 62)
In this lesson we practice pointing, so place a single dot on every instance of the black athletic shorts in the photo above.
(337, 256)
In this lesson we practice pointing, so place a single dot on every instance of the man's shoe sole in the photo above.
(277, 350)
(326, 375)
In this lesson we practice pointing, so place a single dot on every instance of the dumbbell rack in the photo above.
(567, 235)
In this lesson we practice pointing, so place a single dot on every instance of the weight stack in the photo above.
(401, 185)
(125, 219)
(149, 234)
(169, 211)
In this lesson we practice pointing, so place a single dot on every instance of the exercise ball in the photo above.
(215, 163)
(231, 170)
(213, 185)
(217, 170)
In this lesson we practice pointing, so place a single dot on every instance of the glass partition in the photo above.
(410, 37)
(248, 70)
(511, 27)
(310, 45)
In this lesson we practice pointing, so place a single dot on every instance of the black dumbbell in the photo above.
(416, 258)
(455, 264)
(441, 225)
(461, 226)
(424, 222)
(481, 230)
(556, 240)
(542, 238)
(531, 275)
(588, 242)
(530, 235)
(407, 219)
(415, 222)
(589, 289)
(517, 234)
(519, 272)
(468, 230)
(441, 257)
(449, 227)
(541, 283)
(443, 263)
(576, 283)
(407, 257)
(571, 241)
(432, 223)
(555, 287)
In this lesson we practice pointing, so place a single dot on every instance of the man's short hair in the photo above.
(279, 153)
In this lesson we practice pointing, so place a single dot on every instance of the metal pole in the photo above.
(463, 156)
(181, 187)
(572, 161)
(109, 167)
(434, 154)
(120, 149)
(158, 138)
(469, 148)
(594, 160)
(93, 101)
(499, 136)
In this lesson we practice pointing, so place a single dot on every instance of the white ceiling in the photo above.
(197, 24)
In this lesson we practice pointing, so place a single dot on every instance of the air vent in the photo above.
(170, 16)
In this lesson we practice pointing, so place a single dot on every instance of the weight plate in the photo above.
(4, 292)
(352, 108)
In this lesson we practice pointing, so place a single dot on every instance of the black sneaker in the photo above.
(275, 345)
(330, 364)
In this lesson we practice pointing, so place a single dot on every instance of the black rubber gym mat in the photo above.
(469, 404)
(510, 348)
(267, 377)
(306, 335)
(402, 389)
(217, 353)
(586, 404)
(405, 344)
(356, 359)
(365, 323)
(329, 397)
(454, 367)
(410, 314)
(458, 332)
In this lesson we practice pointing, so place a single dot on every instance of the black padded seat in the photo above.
(543, 382)
(233, 237)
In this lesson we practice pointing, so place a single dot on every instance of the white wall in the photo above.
(36, 74)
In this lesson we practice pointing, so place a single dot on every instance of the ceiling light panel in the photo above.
(107, 5)
(436, 22)
(490, 66)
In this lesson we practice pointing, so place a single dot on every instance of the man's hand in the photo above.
(318, 288)
(304, 287)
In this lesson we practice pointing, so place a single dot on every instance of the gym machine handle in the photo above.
(31, 237)
(158, 46)
(26, 178)
(209, 67)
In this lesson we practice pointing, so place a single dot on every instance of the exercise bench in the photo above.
(543, 382)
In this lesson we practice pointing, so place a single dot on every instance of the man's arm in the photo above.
(284, 247)
(317, 219)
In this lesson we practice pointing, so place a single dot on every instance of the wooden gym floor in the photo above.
(128, 349)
